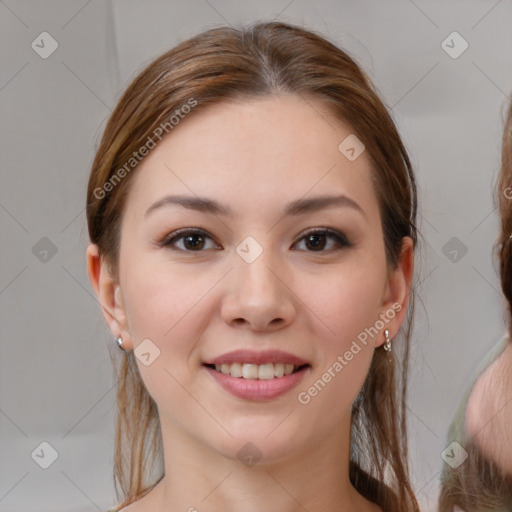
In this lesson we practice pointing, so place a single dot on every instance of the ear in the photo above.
(397, 292)
(108, 291)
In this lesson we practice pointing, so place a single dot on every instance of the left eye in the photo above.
(317, 239)
(194, 240)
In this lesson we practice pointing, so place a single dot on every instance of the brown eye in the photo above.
(317, 240)
(194, 240)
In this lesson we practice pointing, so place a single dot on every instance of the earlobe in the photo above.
(109, 294)
(397, 293)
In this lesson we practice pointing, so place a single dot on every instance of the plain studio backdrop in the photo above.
(443, 68)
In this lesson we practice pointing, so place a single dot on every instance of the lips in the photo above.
(258, 376)
(255, 389)
(257, 357)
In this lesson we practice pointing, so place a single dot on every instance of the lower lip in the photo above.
(256, 389)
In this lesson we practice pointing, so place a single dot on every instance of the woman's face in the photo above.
(252, 285)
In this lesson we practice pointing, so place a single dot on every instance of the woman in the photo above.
(251, 210)
(481, 477)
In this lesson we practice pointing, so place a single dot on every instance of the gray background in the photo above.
(56, 378)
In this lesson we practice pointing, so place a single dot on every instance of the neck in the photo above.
(198, 478)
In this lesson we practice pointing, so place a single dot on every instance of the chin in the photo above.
(262, 443)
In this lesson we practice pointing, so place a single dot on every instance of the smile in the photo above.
(267, 371)
(256, 389)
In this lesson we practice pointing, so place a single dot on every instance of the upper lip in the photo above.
(258, 357)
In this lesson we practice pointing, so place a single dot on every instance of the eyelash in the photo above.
(171, 239)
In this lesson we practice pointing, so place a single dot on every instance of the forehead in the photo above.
(273, 149)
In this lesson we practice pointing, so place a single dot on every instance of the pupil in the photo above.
(193, 245)
(317, 244)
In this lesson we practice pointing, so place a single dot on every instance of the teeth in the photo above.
(266, 371)
(250, 371)
(254, 371)
(236, 370)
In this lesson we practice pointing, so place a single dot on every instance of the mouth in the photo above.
(257, 375)
(249, 371)
(257, 382)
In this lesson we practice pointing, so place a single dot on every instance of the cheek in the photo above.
(348, 307)
(168, 308)
(167, 305)
(333, 390)
(154, 294)
(348, 300)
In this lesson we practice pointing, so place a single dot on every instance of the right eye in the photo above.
(194, 240)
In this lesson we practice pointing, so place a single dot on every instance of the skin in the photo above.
(254, 156)
(489, 411)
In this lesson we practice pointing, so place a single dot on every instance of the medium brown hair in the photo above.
(224, 64)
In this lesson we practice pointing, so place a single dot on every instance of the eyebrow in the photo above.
(298, 207)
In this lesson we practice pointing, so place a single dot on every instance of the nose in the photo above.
(257, 295)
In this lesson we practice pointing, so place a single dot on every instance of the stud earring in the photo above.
(120, 343)
(387, 344)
